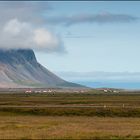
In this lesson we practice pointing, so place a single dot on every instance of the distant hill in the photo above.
(19, 68)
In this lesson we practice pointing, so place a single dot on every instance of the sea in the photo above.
(119, 85)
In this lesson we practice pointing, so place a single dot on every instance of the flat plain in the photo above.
(90, 115)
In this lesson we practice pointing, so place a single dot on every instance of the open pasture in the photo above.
(76, 127)
(91, 115)
(64, 104)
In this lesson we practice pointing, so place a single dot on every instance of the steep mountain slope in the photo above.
(19, 68)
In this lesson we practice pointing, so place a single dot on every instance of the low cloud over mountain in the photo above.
(23, 35)
(22, 26)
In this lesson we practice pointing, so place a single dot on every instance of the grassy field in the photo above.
(90, 98)
(66, 104)
(90, 115)
(43, 127)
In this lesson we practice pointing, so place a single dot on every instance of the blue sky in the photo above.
(70, 37)
(110, 47)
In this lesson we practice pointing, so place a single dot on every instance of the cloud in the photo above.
(101, 76)
(22, 26)
(91, 18)
(17, 34)
(23, 10)
(14, 27)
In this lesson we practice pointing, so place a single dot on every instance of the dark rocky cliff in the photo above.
(17, 56)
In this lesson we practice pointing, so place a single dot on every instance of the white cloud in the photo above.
(44, 38)
(22, 25)
(17, 34)
(14, 27)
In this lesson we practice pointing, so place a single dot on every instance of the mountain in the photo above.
(19, 68)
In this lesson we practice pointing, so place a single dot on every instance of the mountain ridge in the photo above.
(20, 68)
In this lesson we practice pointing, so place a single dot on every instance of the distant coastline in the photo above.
(107, 84)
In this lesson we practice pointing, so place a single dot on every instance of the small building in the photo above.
(44, 91)
(105, 90)
(28, 91)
